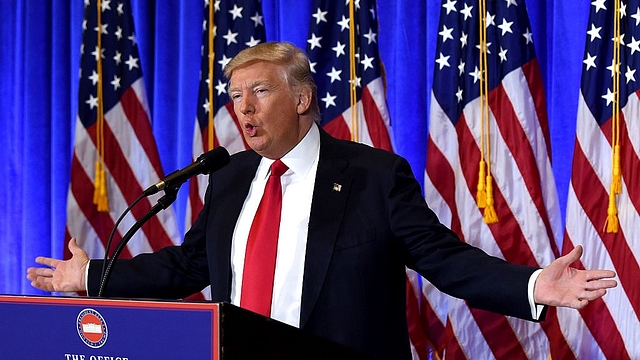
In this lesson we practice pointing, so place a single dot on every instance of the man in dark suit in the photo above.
(352, 218)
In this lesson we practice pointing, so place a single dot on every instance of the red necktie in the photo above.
(262, 245)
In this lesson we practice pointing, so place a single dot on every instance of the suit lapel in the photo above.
(330, 196)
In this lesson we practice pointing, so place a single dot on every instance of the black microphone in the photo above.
(206, 163)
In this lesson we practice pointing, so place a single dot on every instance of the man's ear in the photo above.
(304, 100)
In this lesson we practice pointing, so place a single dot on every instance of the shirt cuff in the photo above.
(536, 310)
(86, 277)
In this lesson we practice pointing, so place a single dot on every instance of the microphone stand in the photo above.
(164, 202)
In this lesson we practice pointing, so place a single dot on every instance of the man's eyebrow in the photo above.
(258, 82)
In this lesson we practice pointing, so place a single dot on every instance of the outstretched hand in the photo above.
(61, 275)
(561, 285)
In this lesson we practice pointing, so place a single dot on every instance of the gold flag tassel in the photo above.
(611, 224)
(481, 195)
(100, 197)
(490, 215)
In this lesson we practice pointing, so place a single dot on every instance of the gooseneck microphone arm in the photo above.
(206, 163)
(163, 203)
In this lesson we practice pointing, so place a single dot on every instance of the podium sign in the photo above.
(93, 329)
(70, 328)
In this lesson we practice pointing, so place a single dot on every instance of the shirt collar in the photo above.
(301, 159)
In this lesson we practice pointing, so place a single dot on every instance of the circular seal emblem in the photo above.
(92, 328)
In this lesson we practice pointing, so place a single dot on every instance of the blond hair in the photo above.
(295, 61)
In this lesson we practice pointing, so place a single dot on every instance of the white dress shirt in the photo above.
(297, 188)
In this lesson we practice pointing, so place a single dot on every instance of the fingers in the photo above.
(47, 261)
(573, 256)
(73, 246)
(592, 275)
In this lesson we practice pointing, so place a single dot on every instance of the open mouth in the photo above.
(250, 129)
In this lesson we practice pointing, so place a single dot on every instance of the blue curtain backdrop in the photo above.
(39, 59)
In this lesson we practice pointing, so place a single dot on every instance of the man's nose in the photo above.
(246, 105)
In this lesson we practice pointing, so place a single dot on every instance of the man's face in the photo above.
(266, 108)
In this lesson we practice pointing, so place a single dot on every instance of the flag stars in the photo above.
(528, 36)
(339, 49)
(486, 47)
(467, 12)
(503, 54)
(367, 62)
(115, 82)
(505, 26)
(630, 75)
(461, 67)
(329, 100)
(334, 74)
(117, 58)
(459, 95)
(446, 33)
(450, 5)
(236, 12)
(609, 97)
(443, 61)
(371, 36)
(344, 23)
(132, 62)
(320, 16)
(475, 74)
(590, 61)
(230, 37)
(92, 102)
(257, 19)
(315, 41)
(599, 4)
(634, 45)
(221, 88)
(614, 68)
(463, 40)
(102, 29)
(511, 2)
(490, 20)
(636, 16)
(132, 38)
(105, 5)
(224, 61)
(98, 52)
(94, 78)
(618, 39)
(252, 42)
(206, 105)
(594, 32)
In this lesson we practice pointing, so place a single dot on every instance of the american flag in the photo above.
(236, 26)
(113, 134)
(608, 328)
(518, 159)
(343, 50)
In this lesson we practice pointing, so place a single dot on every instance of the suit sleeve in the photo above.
(453, 266)
(173, 272)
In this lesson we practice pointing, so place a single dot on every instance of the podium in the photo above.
(71, 328)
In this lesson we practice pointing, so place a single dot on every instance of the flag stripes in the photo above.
(130, 154)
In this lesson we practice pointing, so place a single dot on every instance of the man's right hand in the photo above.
(61, 275)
